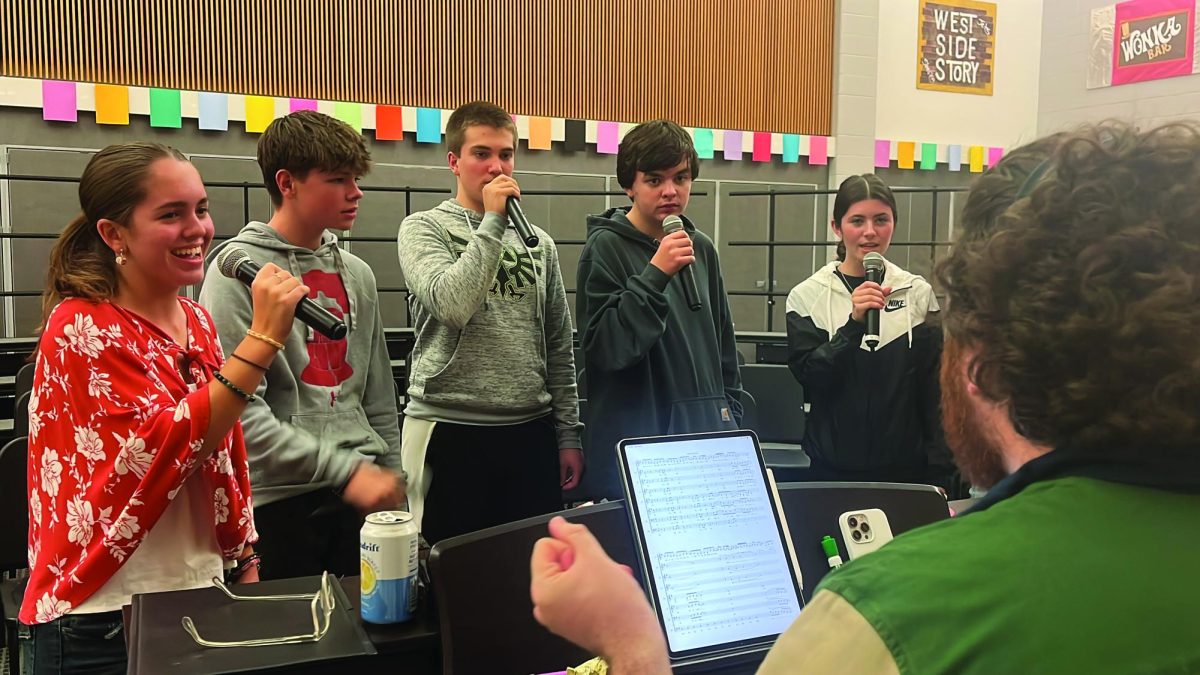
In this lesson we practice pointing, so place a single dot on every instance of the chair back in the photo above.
(14, 504)
(812, 511)
(481, 587)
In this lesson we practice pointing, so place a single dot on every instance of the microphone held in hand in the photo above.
(235, 263)
(517, 216)
(874, 264)
(686, 275)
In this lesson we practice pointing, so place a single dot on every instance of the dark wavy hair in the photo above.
(1076, 278)
(656, 145)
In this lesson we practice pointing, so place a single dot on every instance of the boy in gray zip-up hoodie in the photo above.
(323, 436)
(491, 430)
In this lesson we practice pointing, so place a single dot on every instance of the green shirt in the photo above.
(1073, 575)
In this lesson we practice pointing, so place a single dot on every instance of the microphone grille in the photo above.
(672, 223)
(873, 261)
(229, 259)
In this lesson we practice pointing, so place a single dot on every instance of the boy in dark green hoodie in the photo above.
(654, 366)
(323, 435)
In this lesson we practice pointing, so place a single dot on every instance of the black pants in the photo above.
(487, 476)
(306, 535)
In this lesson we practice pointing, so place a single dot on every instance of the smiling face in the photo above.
(168, 232)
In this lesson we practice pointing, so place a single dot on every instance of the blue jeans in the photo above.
(88, 644)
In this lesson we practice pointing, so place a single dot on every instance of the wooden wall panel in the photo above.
(729, 64)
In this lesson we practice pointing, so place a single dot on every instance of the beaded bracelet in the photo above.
(236, 389)
(265, 338)
(243, 565)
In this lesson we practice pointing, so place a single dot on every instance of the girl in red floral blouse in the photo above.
(137, 472)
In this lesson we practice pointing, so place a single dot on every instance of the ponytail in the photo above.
(81, 266)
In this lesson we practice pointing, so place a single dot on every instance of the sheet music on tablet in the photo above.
(720, 569)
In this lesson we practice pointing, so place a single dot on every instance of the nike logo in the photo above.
(894, 305)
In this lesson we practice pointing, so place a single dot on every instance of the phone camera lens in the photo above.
(857, 535)
(852, 521)
(865, 527)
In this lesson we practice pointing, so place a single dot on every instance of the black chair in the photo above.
(14, 504)
(812, 511)
(21, 416)
(481, 586)
(24, 380)
(13, 536)
(779, 416)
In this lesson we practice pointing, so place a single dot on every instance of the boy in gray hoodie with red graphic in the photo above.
(322, 436)
(491, 430)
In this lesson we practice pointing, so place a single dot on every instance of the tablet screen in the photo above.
(711, 540)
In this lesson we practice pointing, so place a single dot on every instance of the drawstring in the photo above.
(340, 267)
(471, 228)
(908, 315)
(351, 297)
(537, 282)
(829, 309)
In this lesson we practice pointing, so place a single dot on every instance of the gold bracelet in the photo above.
(265, 338)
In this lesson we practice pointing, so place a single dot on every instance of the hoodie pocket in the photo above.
(347, 429)
(704, 413)
(428, 364)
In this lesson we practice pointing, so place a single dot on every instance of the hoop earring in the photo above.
(121, 257)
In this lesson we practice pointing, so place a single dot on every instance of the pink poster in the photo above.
(1153, 39)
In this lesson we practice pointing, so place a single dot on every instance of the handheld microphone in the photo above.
(517, 216)
(874, 264)
(686, 275)
(235, 263)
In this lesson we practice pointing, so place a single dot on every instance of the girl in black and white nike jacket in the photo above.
(874, 414)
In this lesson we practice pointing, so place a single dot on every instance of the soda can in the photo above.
(388, 564)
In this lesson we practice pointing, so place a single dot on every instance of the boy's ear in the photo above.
(286, 182)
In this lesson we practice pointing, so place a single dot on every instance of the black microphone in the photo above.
(686, 274)
(236, 264)
(518, 219)
(874, 263)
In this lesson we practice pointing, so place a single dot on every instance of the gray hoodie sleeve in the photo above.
(451, 288)
(379, 399)
(275, 448)
(560, 356)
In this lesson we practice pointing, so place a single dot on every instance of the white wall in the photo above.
(1065, 100)
(1006, 118)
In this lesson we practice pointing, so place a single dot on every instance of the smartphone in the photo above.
(864, 531)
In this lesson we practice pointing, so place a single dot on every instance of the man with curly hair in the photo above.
(1070, 387)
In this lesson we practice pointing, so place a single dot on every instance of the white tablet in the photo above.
(711, 541)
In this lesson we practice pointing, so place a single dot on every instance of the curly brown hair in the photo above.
(1077, 280)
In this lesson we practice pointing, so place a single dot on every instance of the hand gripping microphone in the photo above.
(874, 264)
(235, 263)
(686, 275)
(517, 216)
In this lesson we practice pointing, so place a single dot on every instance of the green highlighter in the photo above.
(829, 545)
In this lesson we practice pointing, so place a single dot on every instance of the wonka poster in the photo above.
(1153, 39)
